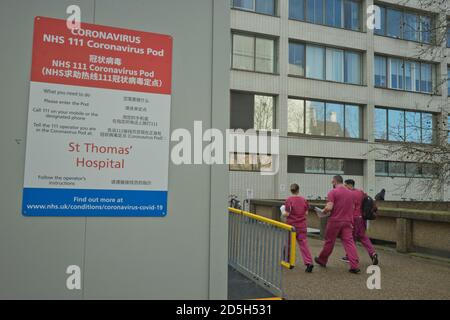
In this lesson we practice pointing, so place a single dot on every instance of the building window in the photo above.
(334, 121)
(353, 120)
(251, 111)
(404, 126)
(297, 9)
(324, 118)
(334, 166)
(410, 26)
(250, 162)
(380, 71)
(253, 53)
(381, 168)
(263, 114)
(381, 124)
(314, 165)
(404, 24)
(264, 55)
(352, 13)
(317, 62)
(353, 70)
(335, 64)
(300, 164)
(296, 116)
(296, 59)
(396, 169)
(395, 73)
(393, 21)
(259, 6)
(412, 170)
(335, 13)
(405, 169)
(404, 74)
(315, 118)
(396, 125)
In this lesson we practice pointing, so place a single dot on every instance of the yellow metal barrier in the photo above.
(260, 248)
(290, 264)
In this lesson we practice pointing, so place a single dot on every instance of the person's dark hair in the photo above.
(294, 188)
(350, 182)
(338, 179)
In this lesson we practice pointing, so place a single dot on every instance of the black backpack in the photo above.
(369, 208)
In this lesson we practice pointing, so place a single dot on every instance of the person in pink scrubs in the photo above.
(359, 224)
(296, 208)
(340, 208)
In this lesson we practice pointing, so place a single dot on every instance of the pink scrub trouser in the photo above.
(359, 233)
(344, 230)
(302, 241)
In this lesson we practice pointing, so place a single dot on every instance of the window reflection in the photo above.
(334, 166)
(314, 165)
(335, 120)
(324, 118)
(401, 125)
(396, 125)
(315, 112)
(393, 18)
(380, 124)
(413, 127)
(296, 116)
(263, 118)
(352, 121)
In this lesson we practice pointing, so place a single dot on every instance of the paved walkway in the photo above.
(402, 277)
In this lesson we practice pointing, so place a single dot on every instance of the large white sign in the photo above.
(98, 122)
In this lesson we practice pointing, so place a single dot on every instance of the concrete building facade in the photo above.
(324, 90)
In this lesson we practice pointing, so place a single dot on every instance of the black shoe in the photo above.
(345, 259)
(375, 259)
(355, 271)
(309, 268)
(319, 263)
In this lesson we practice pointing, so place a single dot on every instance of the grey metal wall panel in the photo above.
(143, 258)
(34, 253)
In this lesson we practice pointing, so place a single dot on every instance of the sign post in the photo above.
(98, 122)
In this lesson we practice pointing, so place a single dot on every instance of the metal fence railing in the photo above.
(260, 247)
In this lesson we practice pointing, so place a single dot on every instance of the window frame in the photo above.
(323, 170)
(345, 51)
(405, 111)
(254, 168)
(388, 174)
(403, 11)
(253, 94)
(253, 10)
(325, 102)
(324, 15)
(403, 61)
(255, 36)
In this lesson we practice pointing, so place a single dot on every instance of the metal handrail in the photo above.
(293, 234)
(259, 248)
